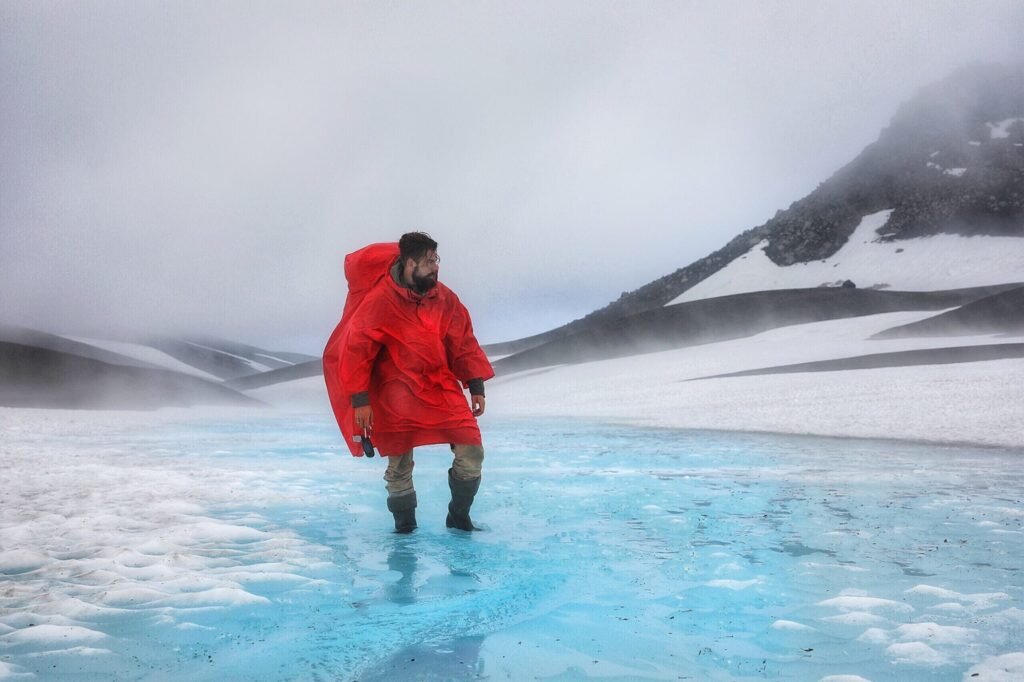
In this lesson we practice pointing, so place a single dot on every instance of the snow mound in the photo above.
(1001, 129)
(735, 585)
(979, 600)
(791, 625)
(21, 561)
(939, 634)
(916, 653)
(1005, 668)
(52, 634)
(860, 618)
(851, 603)
(10, 672)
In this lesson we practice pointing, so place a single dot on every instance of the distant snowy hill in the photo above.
(944, 181)
(147, 354)
(226, 359)
(36, 376)
(40, 369)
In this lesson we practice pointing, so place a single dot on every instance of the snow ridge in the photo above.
(932, 263)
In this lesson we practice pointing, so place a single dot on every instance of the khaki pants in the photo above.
(466, 466)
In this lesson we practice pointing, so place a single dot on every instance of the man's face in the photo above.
(424, 274)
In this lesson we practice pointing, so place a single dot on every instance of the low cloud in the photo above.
(190, 167)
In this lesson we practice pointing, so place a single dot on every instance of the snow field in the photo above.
(977, 402)
(924, 264)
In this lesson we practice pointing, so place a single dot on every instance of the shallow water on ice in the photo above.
(249, 548)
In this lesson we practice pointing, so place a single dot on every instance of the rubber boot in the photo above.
(404, 509)
(463, 493)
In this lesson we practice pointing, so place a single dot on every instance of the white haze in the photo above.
(203, 167)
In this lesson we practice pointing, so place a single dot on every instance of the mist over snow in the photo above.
(973, 402)
(191, 167)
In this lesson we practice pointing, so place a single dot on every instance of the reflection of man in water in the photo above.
(402, 558)
(396, 368)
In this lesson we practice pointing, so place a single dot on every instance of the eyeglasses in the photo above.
(436, 260)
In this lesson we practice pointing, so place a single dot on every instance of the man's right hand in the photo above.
(364, 417)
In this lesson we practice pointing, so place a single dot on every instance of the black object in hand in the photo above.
(367, 446)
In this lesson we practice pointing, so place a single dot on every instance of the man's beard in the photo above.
(422, 285)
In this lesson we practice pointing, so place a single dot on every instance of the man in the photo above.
(396, 367)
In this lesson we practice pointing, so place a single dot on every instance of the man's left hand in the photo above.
(479, 404)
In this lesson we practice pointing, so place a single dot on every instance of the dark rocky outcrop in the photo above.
(936, 165)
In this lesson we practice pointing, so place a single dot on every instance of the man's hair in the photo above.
(415, 245)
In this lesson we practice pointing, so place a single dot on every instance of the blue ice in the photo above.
(609, 552)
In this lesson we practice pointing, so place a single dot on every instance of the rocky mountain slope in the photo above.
(951, 161)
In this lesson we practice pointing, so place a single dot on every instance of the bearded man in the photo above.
(396, 369)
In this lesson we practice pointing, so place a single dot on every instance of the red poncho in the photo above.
(412, 353)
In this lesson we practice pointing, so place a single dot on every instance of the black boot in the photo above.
(404, 509)
(463, 493)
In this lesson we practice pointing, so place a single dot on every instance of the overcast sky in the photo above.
(205, 167)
